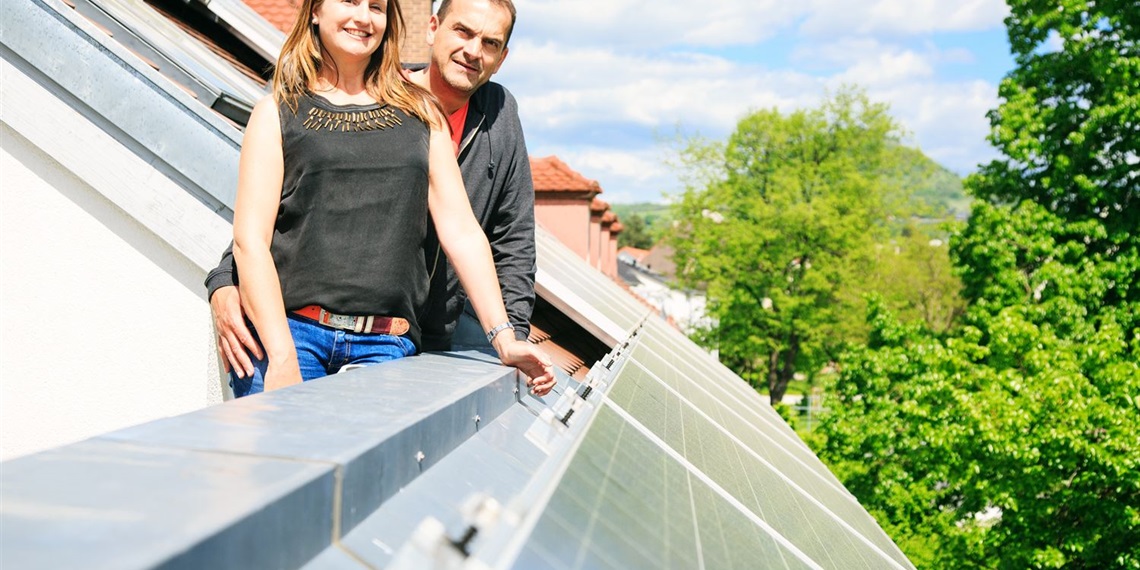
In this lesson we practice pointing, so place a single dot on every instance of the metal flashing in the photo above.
(121, 93)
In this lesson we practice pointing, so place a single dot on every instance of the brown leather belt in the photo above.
(360, 324)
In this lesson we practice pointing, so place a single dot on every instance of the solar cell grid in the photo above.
(707, 396)
(759, 437)
(622, 503)
(743, 471)
(730, 540)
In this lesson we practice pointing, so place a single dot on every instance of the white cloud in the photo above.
(596, 79)
(634, 24)
(636, 175)
(557, 86)
(826, 17)
(868, 61)
(654, 24)
(947, 120)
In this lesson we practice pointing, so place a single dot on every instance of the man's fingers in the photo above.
(223, 354)
(231, 360)
(246, 338)
(239, 359)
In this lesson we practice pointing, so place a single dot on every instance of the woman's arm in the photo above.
(466, 247)
(260, 174)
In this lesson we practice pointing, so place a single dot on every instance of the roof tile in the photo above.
(280, 13)
(552, 175)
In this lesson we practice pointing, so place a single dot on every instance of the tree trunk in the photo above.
(774, 375)
(779, 375)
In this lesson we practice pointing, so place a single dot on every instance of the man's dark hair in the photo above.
(445, 5)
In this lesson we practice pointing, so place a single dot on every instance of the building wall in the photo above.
(104, 323)
(602, 261)
(416, 16)
(595, 240)
(568, 219)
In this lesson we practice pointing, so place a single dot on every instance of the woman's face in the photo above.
(351, 29)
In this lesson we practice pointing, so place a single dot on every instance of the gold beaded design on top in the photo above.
(346, 121)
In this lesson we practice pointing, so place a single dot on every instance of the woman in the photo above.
(339, 170)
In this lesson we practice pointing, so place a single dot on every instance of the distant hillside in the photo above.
(650, 212)
(924, 189)
(928, 190)
(644, 223)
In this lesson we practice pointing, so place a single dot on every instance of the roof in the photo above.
(280, 13)
(634, 253)
(552, 175)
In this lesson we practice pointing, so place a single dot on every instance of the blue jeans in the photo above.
(324, 350)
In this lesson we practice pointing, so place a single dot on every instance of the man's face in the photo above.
(469, 45)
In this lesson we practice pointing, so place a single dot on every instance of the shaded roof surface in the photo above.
(552, 175)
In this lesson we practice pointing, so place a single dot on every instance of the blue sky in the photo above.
(601, 82)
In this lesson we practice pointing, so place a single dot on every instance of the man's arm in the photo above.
(224, 275)
(511, 231)
(229, 319)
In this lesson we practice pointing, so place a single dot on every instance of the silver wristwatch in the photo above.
(491, 334)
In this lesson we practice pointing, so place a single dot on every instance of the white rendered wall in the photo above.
(103, 323)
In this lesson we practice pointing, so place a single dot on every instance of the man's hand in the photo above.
(531, 361)
(233, 336)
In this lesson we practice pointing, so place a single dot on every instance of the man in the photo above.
(468, 40)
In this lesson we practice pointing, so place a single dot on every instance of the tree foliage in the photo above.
(1013, 440)
(782, 230)
(635, 233)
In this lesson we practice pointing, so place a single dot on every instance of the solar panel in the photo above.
(682, 465)
(625, 503)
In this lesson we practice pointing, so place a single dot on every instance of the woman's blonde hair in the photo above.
(302, 58)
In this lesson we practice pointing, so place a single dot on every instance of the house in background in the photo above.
(631, 255)
(567, 205)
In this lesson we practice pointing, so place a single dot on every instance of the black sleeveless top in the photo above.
(350, 230)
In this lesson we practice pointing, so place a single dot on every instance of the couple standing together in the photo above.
(359, 182)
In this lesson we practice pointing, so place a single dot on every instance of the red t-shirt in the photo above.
(457, 120)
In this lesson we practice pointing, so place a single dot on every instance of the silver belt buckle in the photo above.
(339, 321)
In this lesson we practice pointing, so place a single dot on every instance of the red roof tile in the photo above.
(552, 175)
(609, 217)
(598, 205)
(280, 13)
(635, 253)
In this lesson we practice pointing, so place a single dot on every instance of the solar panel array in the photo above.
(684, 465)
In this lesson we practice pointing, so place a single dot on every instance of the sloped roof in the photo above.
(633, 252)
(552, 175)
(280, 13)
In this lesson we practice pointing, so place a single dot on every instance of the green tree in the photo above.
(782, 231)
(1013, 441)
(635, 233)
(913, 275)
